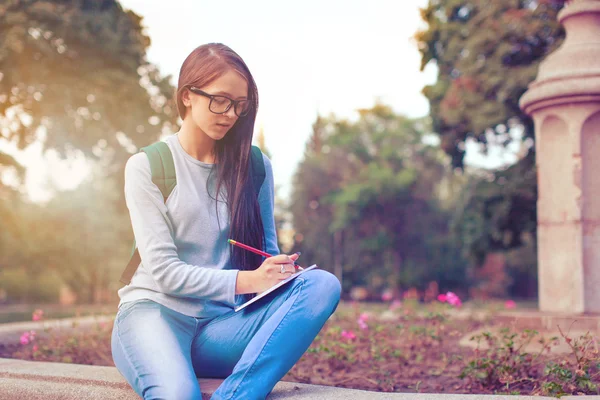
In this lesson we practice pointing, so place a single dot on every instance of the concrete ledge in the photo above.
(549, 321)
(28, 380)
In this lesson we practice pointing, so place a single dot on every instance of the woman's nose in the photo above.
(231, 113)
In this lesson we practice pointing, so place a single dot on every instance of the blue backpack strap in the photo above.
(163, 176)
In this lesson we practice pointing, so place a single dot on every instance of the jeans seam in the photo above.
(128, 306)
(267, 342)
(197, 332)
(127, 356)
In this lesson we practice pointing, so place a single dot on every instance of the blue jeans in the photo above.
(161, 352)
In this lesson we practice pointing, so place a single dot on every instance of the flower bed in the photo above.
(397, 347)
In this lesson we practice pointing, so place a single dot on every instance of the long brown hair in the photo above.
(232, 153)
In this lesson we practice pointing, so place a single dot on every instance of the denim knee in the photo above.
(174, 390)
(325, 286)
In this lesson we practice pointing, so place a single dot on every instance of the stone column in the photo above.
(564, 102)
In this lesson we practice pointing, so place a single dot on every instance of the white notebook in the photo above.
(272, 288)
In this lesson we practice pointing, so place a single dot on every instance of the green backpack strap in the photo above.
(257, 169)
(162, 168)
(163, 176)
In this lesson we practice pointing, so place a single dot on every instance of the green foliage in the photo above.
(487, 53)
(504, 361)
(74, 77)
(566, 378)
(498, 211)
(77, 237)
(506, 364)
(22, 287)
(73, 67)
(564, 381)
(85, 243)
(375, 182)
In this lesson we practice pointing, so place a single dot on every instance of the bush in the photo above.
(21, 287)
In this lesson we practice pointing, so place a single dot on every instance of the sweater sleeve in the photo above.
(266, 200)
(154, 234)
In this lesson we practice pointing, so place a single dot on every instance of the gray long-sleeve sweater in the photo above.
(186, 260)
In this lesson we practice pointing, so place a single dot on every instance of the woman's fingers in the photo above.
(284, 263)
(287, 271)
(284, 258)
(285, 268)
(280, 259)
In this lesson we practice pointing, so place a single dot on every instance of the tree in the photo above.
(498, 211)
(487, 53)
(74, 76)
(375, 183)
(84, 245)
(281, 215)
(78, 69)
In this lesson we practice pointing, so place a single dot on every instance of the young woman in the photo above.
(175, 320)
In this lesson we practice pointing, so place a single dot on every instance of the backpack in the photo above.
(163, 176)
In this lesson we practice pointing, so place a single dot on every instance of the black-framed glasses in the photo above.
(221, 104)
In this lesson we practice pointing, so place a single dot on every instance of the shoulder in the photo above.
(138, 165)
(267, 162)
(268, 185)
(268, 170)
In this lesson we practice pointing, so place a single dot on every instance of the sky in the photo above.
(307, 58)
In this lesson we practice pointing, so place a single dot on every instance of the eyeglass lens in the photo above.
(220, 104)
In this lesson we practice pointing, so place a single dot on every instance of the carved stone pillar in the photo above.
(564, 102)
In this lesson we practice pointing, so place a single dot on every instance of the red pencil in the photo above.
(256, 251)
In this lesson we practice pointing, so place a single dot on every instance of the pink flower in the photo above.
(35, 347)
(453, 299)
(31, 335)
(362, 324)
(387, 295)
(510, 304)
(395, 304)
(348, 335)
(450, 298)
(25, 338)
(37, 315)
(362, 320)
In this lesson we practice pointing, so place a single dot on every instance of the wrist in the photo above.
(245, 282)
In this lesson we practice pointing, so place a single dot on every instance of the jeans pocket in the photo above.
(126, 308)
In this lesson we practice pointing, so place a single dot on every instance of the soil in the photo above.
(408, 349)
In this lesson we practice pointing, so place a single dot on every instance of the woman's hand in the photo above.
(269, 273)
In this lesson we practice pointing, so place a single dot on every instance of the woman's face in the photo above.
(231, 84)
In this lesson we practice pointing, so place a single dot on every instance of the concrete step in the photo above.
(29, 380)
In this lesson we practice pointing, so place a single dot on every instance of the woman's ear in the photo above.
(185, 98)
